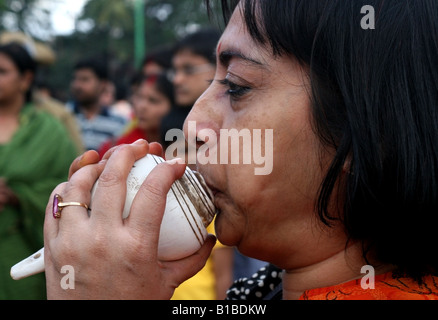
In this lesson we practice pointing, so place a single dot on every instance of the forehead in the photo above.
(236, 38)
(147, 85)
(6, 60)
(85, 73)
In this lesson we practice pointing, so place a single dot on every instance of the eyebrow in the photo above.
(227, 55)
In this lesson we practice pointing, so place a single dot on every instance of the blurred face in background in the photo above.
(13, 84)
(150, 105)
(152, 68)
(86, 87)
(191, 73)
(108, 95)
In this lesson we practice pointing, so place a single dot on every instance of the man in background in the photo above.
(193, 65)
(97, 123)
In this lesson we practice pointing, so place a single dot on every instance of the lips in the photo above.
(215, 191)
(210, 185)
(180, 91)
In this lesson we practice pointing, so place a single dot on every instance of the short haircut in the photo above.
(202, 43)
(98, 67)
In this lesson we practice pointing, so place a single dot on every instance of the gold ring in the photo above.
(58, 205)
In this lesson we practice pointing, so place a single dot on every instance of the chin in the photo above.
(183, 101)
(225, 230)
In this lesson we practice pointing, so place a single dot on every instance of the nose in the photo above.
(178, 78)
(205, 114)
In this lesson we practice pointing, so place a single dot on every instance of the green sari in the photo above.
(33, 163)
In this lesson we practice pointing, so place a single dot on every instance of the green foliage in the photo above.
(24, 15)
(106, 28)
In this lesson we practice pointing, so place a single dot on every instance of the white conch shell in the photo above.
(189, 210)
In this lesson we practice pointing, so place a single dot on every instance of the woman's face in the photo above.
(271, 217)
(150, 106)
(12, 83)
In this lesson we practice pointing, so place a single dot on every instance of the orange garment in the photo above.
(387, 287)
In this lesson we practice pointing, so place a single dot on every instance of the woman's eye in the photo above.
(234, 90)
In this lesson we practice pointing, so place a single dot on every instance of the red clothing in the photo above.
(131, 136)
(387, 287)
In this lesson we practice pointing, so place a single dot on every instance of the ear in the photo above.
(347, 166)
(27, 80)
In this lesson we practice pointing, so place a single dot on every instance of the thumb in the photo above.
(181, 270)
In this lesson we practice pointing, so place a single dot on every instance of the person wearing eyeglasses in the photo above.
(193, 66)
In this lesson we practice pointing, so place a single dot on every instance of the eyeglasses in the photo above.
(189, 70)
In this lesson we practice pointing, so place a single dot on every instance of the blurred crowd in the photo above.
(40, 136)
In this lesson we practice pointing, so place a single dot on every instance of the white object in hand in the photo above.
(189, 210)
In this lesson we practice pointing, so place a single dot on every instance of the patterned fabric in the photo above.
(262, 285)
(100, 128)
(266, 285)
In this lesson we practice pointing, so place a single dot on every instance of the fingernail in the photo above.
(81, 158)
(139, 141)
(176, 161)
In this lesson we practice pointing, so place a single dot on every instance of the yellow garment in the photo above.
(201, 286)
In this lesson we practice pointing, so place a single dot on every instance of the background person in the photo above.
(157, 61)
(35, 155)
(96, 122)
(193, 65)
(42, 95)
(153, 98)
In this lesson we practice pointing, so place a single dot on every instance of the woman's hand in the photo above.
(92, 157)
(114, 258)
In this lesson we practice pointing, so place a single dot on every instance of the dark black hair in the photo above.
(374, 96)
(163, 85)
(98, 67)
(202, 43)
(161, 55)
(22, 60)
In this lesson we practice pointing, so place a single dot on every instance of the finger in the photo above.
(51, 226)
(145, 223)
(89, 157)
(156, 149)
(78, 189)
(110, 152)
(110, 194)
(181, 270)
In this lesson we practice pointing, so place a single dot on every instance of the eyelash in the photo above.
(234, 91)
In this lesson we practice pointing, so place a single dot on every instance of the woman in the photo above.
(35, 152)
(354, 117)
(152, 100)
